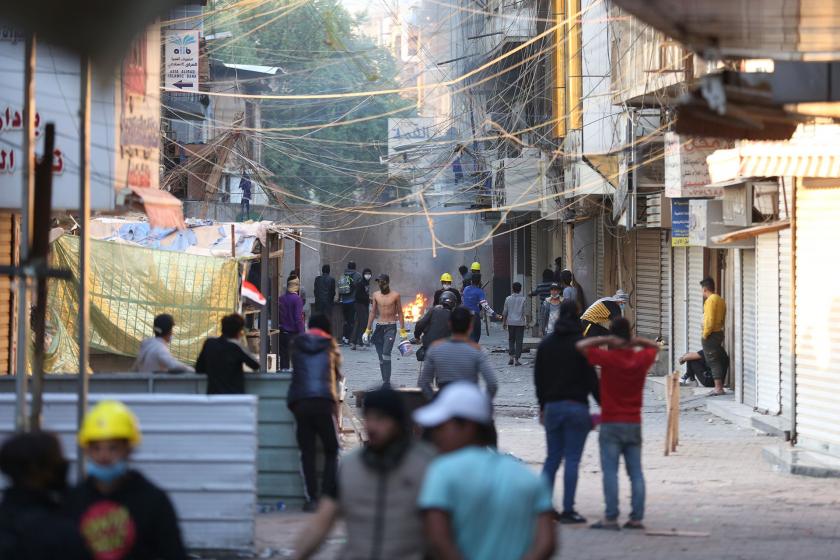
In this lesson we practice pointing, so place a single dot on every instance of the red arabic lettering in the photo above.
(58, 162)
(13, 120)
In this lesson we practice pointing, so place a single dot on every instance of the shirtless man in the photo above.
(387, 310)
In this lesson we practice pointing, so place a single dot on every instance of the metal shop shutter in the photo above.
(748, 326)
(648, 301)
(7, 313)
(665, 282)
(785, 296)
(679, 304)
(600, 256)
(768, 374)
(818, 319)
(695, 298)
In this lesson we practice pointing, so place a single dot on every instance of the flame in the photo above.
(414, 310)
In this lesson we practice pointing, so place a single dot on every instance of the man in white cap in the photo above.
(477, 503)
(598, 316)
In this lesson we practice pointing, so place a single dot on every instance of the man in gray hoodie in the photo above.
(154, 355)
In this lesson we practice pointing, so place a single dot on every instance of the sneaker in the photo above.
(518, 363)
(353, 347)
(570, 518)
(606, 524)
(510, 362)
(345, 341)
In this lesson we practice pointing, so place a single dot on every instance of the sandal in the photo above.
(716, 394)
(635, 525)
(605, 525)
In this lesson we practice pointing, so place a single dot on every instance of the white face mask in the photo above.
(446, 285)
(367, 276)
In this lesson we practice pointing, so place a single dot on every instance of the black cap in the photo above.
(383, 278)
(555, 286)
(163, 324)
(386, 401)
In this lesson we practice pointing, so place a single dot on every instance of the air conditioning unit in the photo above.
(705, 222)
(653, 211)
(738, 205)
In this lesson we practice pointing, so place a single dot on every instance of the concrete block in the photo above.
(802, 462)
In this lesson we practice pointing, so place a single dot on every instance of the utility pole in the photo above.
(25, 231)
(84, 247)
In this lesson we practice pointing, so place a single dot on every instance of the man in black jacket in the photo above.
(324, 293)
(222, 358)
(434, 325)
(313, 398)
(362, 290)
(32, 524)
(564, 380)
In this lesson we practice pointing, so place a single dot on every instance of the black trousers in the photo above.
(516, 335)
(314, 419)
(349, 310)
(284, 339)
(360, 324)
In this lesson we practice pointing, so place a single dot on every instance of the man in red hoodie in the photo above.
(624, 361)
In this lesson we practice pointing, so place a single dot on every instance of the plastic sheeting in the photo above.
(129, 286)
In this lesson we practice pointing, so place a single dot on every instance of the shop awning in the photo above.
(162, 208)
(606, 165)
(750, 232)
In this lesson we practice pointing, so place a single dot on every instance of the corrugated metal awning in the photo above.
(162, 208)
(750, 232)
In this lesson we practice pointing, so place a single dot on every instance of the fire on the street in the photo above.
(414, 310)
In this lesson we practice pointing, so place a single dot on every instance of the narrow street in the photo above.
(716, 484)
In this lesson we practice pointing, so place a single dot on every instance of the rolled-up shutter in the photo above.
(648, 284)
(748, 326)
(695, 298)
(768, 360)
(680, 342)
(665, 295)
(817, 319)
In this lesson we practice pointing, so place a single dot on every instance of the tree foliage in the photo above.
(321, 49)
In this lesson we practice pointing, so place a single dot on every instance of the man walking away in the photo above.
(377, 490)
(478, 503)
(245, 185)
(387, 311)
(291, 321)
(598, 316)
(324, 293)
(513, 319)
(154, 355)
(457, 359)
(120, 513)
(564, 380)
(222, 359)
(362, 308)
(475, 300)
(347, 296)
(624, 362)
(32, 523)
(434, 324)
(550, 312)
(714, 319)
(543, 289)
(313, 399)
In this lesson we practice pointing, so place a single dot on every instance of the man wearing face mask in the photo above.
(32, 523)
(598, 316)
(120, 514)
(446, 286)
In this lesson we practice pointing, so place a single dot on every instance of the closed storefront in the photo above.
(785, 305)
(695, 297)
(768, 359)
(680, 304)
(818, 318)
(748, 327)
(652, 269)
(7, 314)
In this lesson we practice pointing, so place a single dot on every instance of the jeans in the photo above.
(360, 323)
(475, 334)
(349, 312)
(567, 423)
(383, 340)
(617, 439)
(515, 337)
(314, 419)
(245, 206)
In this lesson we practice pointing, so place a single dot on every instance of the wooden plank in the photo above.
(676, 533)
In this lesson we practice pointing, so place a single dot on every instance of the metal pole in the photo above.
(270, 302)
(84, 246)
(25, 230)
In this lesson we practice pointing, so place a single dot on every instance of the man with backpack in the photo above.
(347, 297)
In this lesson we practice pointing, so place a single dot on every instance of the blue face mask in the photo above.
(106, 473)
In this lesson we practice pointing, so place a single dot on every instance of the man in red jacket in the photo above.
(624, 361)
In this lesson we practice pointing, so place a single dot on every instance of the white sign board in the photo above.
(410, 131)
(181, 60)
(57, 101)
(686, 171)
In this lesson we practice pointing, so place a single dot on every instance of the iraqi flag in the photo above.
(251, 292)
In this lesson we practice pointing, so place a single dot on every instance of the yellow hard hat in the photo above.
(109, 420)
(446, 277)
(476, 266)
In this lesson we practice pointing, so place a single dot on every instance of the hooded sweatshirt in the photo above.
(561, 373)
(315, 367)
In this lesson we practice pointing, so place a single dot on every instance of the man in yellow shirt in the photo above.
(714, 319)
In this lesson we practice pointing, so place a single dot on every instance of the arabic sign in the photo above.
(181, 62)
(679, 222)
(686, 171)
(57, 101)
